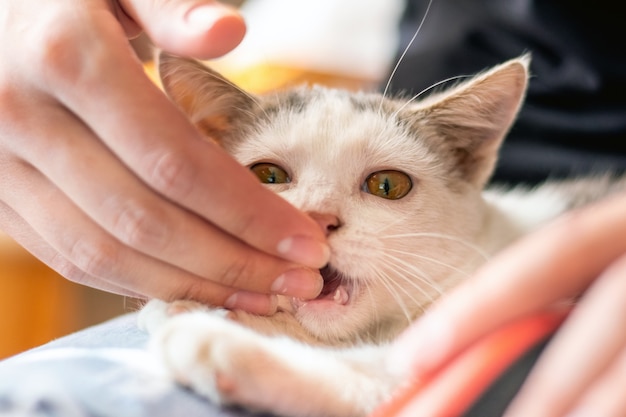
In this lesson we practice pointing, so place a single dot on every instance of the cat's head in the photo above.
(395, 183)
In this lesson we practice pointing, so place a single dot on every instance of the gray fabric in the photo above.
(98, 372)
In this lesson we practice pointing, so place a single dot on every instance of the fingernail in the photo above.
(421, 348)
(300, 283)
(205, 16)
(252, 302)
(304, 250)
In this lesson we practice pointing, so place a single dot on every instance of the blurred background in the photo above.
(37, 305)
(347, 43)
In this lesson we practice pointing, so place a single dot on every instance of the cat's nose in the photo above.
(327, 222)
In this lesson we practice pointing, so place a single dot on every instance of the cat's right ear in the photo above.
(218, 108)
(468, 122)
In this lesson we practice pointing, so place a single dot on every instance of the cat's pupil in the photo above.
(385, 186)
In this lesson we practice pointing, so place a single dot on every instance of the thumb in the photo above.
(197, 28)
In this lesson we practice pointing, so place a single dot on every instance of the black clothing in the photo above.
(574, 118)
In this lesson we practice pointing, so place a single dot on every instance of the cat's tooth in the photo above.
(297, 303)
(341, 295)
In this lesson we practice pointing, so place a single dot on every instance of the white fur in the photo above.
(321, 357)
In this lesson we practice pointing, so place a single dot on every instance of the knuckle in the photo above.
(140, 227)
(94, 257)
(15, 105)
(54, 45)
(69, 51)
(172, 174)
(56, 53)
(192, 290)
(237, 274)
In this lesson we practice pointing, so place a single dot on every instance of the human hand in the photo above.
(580, 256)
(108, 183)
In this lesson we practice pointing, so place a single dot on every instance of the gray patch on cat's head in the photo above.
(289, 100)
(297, 100)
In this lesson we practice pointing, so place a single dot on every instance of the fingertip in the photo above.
(199, 29)
(298, 283)
(219, 28)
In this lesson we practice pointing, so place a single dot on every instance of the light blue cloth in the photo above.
(101, 371)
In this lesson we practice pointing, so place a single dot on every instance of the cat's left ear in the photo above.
(469, 122)
(219, 109)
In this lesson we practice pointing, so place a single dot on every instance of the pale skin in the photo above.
(580, 256)
(108, 183)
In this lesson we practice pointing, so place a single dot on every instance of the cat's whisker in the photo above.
(389, 284)
(406, 50)
(483, 254)
(424, 91)
(399, 292)
(413, 277)
(413, 271)
(386, 226)
(418, 302)
(432, 260)
(374, 304)
(372, 299)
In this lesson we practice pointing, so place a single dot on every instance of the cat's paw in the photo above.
(156, 312)
(221, 360)
(233, 365)
(197, 350)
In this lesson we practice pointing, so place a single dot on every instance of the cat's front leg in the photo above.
(231, 364)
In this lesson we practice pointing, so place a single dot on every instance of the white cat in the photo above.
(397, 185)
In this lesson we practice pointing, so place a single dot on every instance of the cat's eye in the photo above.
(389, 184)
(270, 173)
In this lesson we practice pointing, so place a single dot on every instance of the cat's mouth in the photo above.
(334, 286)
(336, 291)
